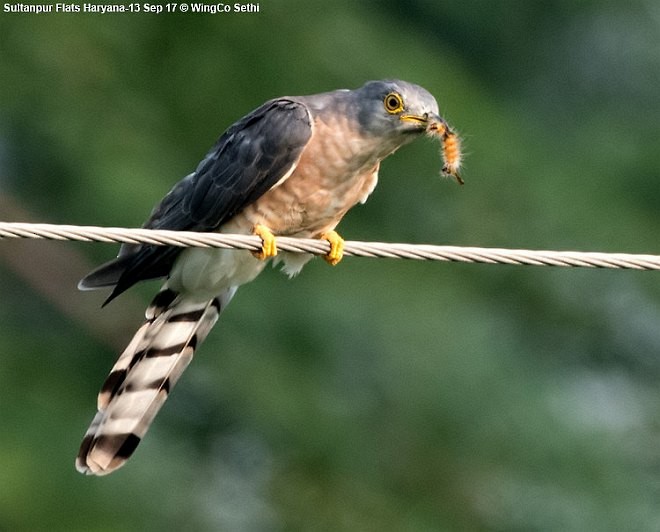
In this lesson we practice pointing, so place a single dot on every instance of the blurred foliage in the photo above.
(379, 395)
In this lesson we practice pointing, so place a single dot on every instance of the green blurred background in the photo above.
(378, 395)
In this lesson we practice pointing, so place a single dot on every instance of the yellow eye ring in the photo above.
(393, 103)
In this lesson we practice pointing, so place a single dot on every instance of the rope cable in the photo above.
(320, 247)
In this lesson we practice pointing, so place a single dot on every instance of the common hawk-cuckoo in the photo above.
(294, 167)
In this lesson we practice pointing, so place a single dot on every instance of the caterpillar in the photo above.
(451, 150)
(451, 154)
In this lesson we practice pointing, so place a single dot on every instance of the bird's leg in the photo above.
(336, 252)
(268, 244)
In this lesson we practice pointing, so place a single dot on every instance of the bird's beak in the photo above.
(432, 123)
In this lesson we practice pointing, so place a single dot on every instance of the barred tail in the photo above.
(143, 376)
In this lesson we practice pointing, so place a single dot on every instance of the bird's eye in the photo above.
(393, 103)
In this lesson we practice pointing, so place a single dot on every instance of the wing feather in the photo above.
(252, 156)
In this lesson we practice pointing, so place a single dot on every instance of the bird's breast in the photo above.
(337, 169)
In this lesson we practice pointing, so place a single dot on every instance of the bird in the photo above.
(292, 167)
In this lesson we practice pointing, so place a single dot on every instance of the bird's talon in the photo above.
(268, 243)
(336, 252)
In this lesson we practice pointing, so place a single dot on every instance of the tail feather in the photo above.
(143, 376)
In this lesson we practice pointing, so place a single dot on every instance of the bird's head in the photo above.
(396, 112)
(394, 108)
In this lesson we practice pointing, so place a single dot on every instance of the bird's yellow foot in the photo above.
(268, 244)
(336, 252)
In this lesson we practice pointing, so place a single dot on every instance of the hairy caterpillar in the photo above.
(451, 150)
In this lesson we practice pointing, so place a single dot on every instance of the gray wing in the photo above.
(246, 161)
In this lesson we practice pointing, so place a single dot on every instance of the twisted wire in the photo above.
(320, 247)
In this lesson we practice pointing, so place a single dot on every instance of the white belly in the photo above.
(210, 271)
